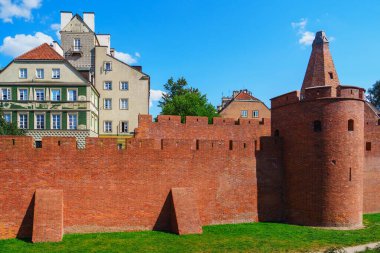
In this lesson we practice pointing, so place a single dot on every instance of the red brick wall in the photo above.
(106, 189)
(318, 187)
(372, 163)
(170, 127)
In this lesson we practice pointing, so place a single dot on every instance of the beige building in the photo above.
(243, 105)
(45, 95)
(123, 89)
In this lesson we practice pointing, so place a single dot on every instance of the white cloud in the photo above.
(21, 43)
(18, 9)
(56, 28)
(137, 54)
(127, 58)
(155, 95)
(307, 37)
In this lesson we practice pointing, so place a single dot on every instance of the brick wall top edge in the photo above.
(24, 143)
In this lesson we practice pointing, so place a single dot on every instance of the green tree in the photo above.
(179, 99)
(374, 94)
(9, 128)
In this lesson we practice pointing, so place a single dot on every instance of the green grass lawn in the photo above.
(252, 237)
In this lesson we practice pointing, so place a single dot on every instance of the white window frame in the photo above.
(121, 126)
(40, 73)
(19, 94)
(35, 94)
(68, 121)
(107, 85)
(121, 103)
(23, 73)
(36, 124)
(244, 113)
(105, 126)
(19, 120)
(52, 126)
(77, 45)
(121, 85)
(9, 93)
(56, 73)
(10, 117)
(76, 94)
(255, 113)
(51, 94)
(105, 66)
(104, 104)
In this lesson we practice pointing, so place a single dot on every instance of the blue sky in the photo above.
(217, 45)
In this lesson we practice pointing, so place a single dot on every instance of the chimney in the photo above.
(66, 16)
(138, 68)
(57, 47)
(89, 19)
(112, 52)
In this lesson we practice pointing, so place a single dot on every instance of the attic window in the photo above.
(107, 66)
(331, 75)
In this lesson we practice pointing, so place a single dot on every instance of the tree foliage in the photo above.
(179, 99)
(9, 128)
(374, 94)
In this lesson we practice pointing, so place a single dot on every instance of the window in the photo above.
(378, 122)
(40, 121)
(40, 94)
(55, 95)
(6, 94)
(244, 114)
(124, 104)
(331, 75)
(56, 74)
(124, 86)
(124, 127)
(351, 125)
(107, 104)
(277, 133)
(56, 121)
(107, 66)
(73, 121)
(368, 146)
(107, 126)
(23, 121)
(317, 126)
(72, 94)
(23, 73)
(23, 94)
(77, 44)
(255, 114)
(40, 73)
(7, 117)
(108, 85)
(38, 144)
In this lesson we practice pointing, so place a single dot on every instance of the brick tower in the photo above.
(322, 128)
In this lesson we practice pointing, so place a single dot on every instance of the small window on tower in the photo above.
(351, 125)
(368, 146)
(317, 126)
(331, 75)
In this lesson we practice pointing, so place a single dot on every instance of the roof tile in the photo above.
(42, 52)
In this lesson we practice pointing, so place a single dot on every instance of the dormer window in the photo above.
(107, 66)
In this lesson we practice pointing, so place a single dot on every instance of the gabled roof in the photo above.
(42, 52)
(244, 96)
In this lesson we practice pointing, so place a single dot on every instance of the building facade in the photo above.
(123, 89)
(243, 105)
(47, 96)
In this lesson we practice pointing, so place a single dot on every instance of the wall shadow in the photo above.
(270, 180)
(166, 221)
(25, 231)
